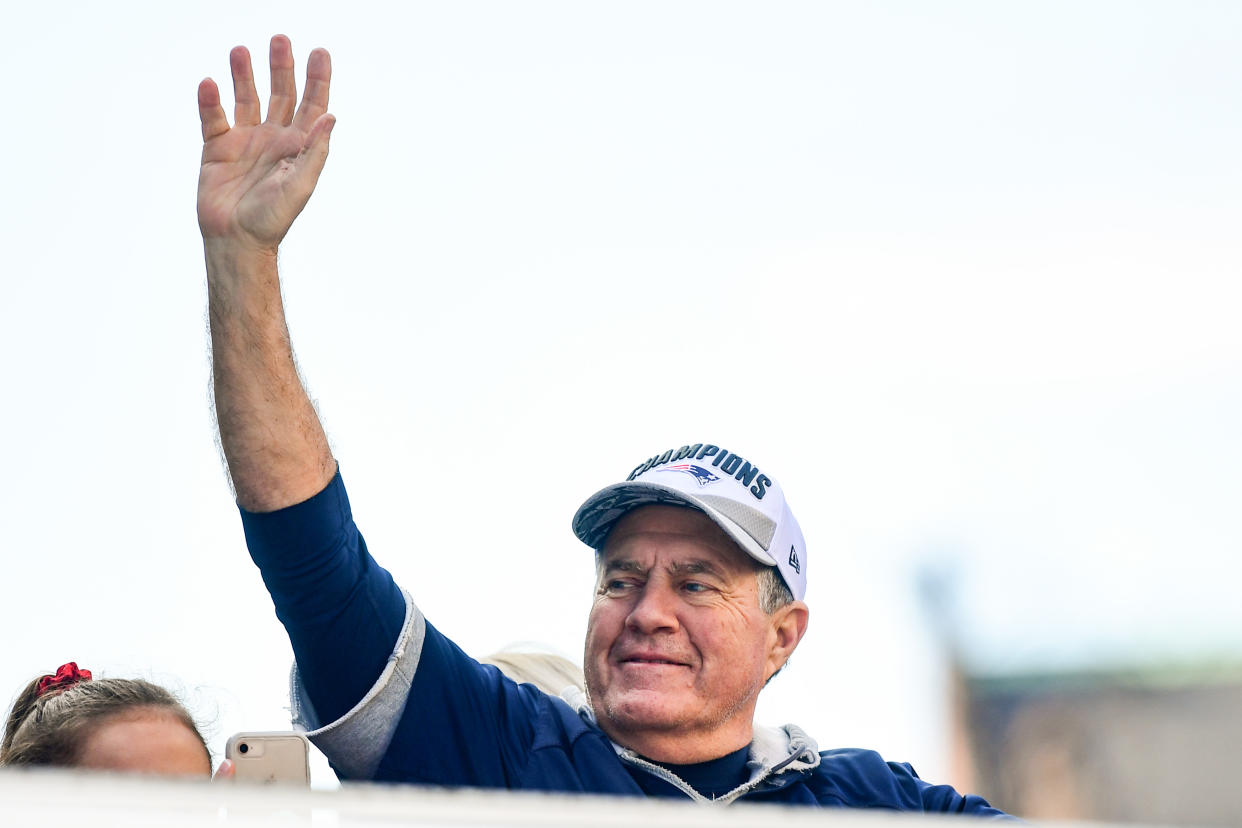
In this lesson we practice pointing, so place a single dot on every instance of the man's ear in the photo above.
(788, 626)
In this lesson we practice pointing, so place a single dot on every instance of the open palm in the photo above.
(257, 175)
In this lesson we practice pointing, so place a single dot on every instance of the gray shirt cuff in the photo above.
(356, 742)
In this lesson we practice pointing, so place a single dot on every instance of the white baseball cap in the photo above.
(732, 491)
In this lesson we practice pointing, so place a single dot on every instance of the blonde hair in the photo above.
(550, 673)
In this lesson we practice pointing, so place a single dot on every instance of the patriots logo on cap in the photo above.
(697, 472)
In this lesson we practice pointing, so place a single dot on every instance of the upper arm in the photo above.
(341, 609)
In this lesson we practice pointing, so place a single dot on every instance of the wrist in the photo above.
(226, 254)
(242, 282)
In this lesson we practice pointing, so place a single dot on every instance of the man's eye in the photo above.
(694, 586)
(613, 586)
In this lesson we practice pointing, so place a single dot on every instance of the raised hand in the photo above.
(257, 175)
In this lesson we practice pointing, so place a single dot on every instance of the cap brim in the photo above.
(596, 517)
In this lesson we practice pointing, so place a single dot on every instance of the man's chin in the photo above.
(640, 709)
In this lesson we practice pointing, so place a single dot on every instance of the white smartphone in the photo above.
(270, 757)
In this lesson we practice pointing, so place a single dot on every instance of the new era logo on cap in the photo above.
(731, 490)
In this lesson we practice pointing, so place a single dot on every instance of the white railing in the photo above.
(63, 798)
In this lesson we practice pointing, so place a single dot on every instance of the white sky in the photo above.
(964, 278)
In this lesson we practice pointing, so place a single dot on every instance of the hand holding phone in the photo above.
(269, 757)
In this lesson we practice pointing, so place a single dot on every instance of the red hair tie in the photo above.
(66, 676)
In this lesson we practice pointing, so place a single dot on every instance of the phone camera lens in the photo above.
(243, 748)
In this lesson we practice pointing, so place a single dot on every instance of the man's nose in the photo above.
(655, 611)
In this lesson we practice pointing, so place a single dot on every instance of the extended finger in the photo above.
(284, 87)
(210, 113)
(246, 107)
(315, 95)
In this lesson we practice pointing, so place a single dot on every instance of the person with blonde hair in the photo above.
(551, 673)
(71, 719)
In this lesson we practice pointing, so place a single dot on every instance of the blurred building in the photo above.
(1154, 745)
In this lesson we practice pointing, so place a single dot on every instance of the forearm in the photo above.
(273, 442)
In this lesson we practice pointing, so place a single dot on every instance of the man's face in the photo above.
(677, 647)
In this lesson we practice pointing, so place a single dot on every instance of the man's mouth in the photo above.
(651, 660)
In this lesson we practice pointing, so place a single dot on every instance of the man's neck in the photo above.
(679, 748)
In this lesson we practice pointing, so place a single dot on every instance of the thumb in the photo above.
(315, 151)
(225, 772)
(304, 174)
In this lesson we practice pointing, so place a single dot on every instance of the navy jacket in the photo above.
(388, 697)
